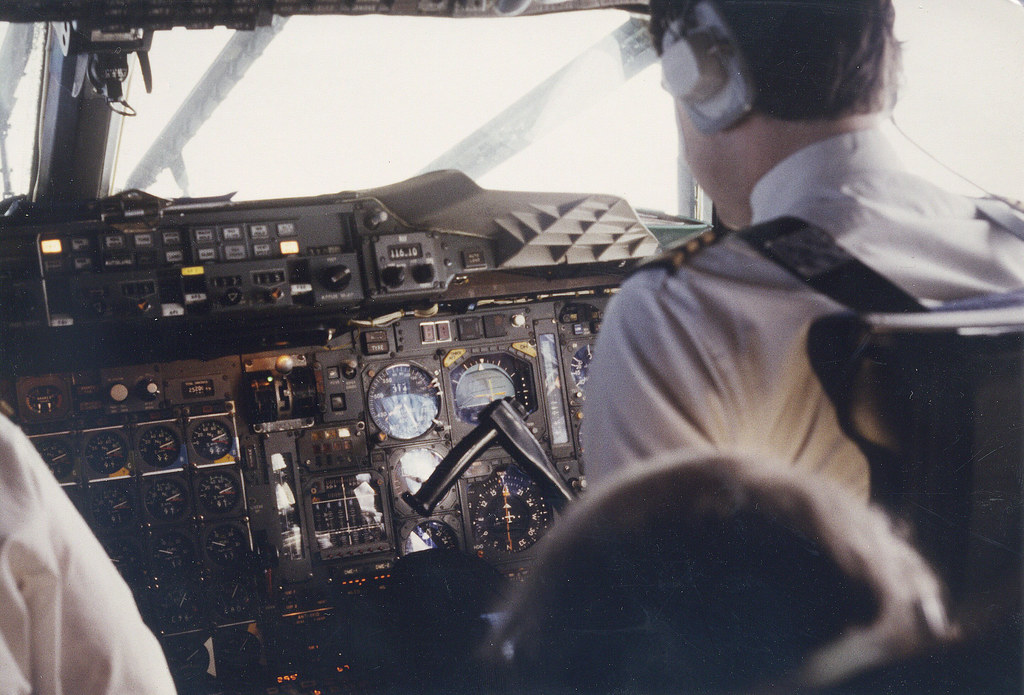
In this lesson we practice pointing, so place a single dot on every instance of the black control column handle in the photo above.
(501, 420)
(507, 417)
(450, 470)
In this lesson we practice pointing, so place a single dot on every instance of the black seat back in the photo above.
(936, 403)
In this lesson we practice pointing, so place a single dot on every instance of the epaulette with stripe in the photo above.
(681, 252)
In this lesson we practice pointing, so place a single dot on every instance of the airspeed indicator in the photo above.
(404, 401)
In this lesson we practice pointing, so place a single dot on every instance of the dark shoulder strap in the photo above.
(810, 254)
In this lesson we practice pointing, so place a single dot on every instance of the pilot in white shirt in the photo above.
(714, 353)
(68, 622)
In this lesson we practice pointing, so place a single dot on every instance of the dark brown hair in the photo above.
(808, 59)
(716, 573)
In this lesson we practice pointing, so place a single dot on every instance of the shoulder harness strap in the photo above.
(811, 255)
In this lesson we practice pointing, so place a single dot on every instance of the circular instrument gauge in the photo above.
(238, 651)
(127, 558)
(580, 364)
(166, 499)
(160, 446)
(189, 660)
(225, 545)
(57, 455)
(211, 439)
(234, 601)
(112, 506)
(429, 535)
(404, 401)
(508, 512)
(45, 400)
(219, 492)
(106, 453)
(410, 468)
(485, 378)
(178, 607)
(172, 552)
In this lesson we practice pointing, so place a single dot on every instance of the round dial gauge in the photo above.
(127, 558)
(485, 378)
(178, 607)
(106, 452)
(404, 401)
(112, 506)
(509, 513)
(411, 469)
(225, 545)
(428, 535)
(45, 399)
(189, 661)
(580, 364)
(211, 439)
(234, 601)
(166, 499)
(238, 651)
(414, 468)
(172, 552)
(219, 492)
(159, 446)
(57, 455)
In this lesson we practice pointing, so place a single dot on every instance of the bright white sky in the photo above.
(355, 102)
(963, 93)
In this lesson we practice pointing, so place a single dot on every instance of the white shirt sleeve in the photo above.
(650, 387)
(69, 623)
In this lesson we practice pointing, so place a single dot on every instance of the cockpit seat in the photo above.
(935, 401)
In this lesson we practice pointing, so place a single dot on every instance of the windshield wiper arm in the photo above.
(618, 58)
(226, 71)
(14, 56)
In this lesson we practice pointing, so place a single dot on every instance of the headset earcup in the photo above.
(706, 70)
(680, 72)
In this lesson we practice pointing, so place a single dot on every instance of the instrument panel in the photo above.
(237, 395)
(244, 497)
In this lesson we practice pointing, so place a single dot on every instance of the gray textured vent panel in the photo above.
(524, 229)
(589, 230)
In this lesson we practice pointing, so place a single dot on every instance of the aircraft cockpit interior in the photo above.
(297, 295)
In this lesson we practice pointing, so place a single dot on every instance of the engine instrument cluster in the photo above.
(241, 496)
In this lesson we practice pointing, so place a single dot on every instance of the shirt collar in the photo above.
(820, 168)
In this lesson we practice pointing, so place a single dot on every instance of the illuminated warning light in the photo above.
(289, 247)
(51, 246)
(193, 270)
(339, 433)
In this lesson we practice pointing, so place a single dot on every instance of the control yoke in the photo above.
(502, 422)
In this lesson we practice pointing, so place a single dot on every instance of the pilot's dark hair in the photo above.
(808, 59)
(716, 574)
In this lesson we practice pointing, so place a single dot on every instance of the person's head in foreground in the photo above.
(716, 573)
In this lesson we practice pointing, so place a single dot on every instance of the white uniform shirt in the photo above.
(715, 354)
(68, 622)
